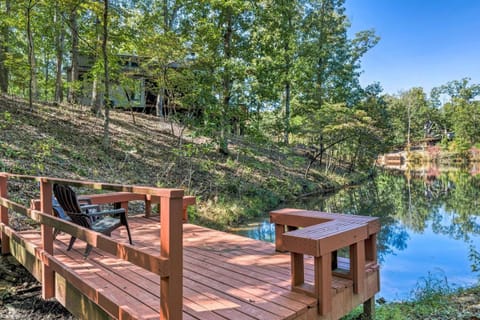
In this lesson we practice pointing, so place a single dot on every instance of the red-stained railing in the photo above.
(169, 265)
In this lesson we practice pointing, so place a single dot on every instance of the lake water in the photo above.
(430, 227)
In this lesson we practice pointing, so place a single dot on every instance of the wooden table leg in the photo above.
(298, 277)
(323, 282)
(279, 231)
(357, 266)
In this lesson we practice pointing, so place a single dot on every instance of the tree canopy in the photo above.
(277, 70)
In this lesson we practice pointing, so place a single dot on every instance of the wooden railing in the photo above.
(169, 265)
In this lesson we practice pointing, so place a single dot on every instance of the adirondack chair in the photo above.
(85, 205)
(102, 221)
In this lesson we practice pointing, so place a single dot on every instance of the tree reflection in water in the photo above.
(419, 211)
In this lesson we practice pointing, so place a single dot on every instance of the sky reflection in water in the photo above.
(429, 227)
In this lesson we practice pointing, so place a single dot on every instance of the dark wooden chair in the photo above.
(100, 221)
(85, 205)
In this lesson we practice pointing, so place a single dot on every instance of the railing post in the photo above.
(148, 205)
(48, 276)
(171, 247)
(4, 214)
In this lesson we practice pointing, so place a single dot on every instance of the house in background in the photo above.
(137, 91)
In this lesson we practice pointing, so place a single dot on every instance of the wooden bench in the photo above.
(291, 219)
(322, 234)
(320, 241)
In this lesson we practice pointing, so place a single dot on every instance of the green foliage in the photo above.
(268, 69)
(474, 257)
(433, 299)
(6, 120)
(227, 61)
(413, 116)
(43, 151)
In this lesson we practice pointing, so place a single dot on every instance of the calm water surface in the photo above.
(430, 227)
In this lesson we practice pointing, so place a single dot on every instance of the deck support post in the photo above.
(323, 282)
(4, 214)
(171, 247)
(369, 309)
(48, 275)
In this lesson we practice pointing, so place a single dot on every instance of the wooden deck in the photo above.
(223, 276)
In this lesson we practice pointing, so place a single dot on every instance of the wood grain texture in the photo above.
(224, 277)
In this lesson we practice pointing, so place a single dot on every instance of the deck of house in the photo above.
(223, 276)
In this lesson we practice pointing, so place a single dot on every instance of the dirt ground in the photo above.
(20, 295)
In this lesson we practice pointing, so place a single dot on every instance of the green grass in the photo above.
(433, 298)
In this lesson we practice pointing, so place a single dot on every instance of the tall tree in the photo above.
(160, 26)
(409, 111)
(106, 94)
(59, 52)
(221, 33)
(96, 99)
(74, 34)
(329, 62)
(4, 44)
(32, 92)
(461, 113)
(276, 34)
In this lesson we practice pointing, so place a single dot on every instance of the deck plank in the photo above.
(225, 276)
(110, 287)
(250, 284)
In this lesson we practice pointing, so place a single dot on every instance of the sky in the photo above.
(424, 43)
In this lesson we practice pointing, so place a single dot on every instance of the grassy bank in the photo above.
(433, 299)
(65, 141)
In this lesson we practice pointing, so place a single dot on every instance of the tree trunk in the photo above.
(160, 103)
(159, 108)
(96, 103)
(408, 126)
(165, 15)
(318, 156)
(288, 66)
(287, 112)
(59, 40)
(32, 92)
(321, 61)
(5, 33)
(72, 94)
(106, 134)
(47, 78)
(227, 83)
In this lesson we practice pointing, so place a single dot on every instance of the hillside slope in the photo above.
(65, 141)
